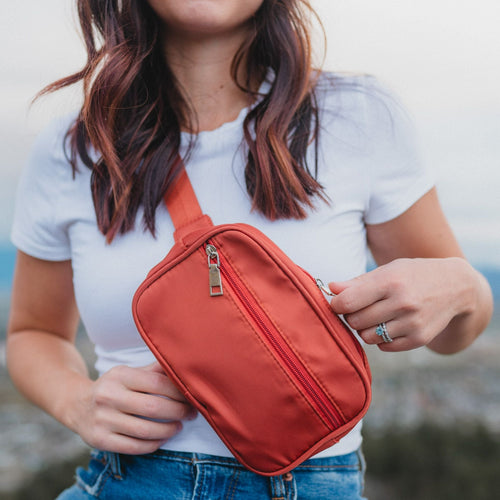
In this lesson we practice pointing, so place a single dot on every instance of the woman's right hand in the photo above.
(131, 410)
(115, 413)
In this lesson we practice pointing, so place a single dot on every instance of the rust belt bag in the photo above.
(250, 339)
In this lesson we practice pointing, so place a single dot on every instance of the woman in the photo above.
(324, 165)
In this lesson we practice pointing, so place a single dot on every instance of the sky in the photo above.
(441, 57)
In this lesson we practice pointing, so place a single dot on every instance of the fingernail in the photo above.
(192, 414)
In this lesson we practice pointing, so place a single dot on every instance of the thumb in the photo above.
(338, 286)
(154, 367)
(341, 302)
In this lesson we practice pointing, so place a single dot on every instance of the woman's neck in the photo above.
(203, 69)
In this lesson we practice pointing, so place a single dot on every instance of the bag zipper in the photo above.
(322, 287)
(214, 281)
(326, 291)
(274, 340)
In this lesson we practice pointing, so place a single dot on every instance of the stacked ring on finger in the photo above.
(381, 331)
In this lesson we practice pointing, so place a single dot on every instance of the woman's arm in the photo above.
(424, 290)
(45, 365)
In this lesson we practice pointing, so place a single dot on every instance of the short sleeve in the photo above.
(397, 177)
(39, 228)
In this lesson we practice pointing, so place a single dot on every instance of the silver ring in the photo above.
(381, 331)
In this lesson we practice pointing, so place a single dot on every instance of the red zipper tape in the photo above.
(279, 346)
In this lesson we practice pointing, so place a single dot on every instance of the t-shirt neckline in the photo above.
(230, 129)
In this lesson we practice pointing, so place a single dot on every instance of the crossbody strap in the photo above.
(181, 201)
(183, 207)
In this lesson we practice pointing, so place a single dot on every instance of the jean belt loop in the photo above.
(277, 486)
(115, 465)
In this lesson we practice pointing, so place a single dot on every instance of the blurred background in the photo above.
(442, 58)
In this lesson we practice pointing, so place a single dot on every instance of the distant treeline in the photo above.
(435, 462)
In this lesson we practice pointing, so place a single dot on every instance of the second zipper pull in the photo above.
(324, 288)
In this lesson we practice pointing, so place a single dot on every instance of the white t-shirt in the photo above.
(368, 165)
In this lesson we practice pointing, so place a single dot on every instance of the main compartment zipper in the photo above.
(294, 366)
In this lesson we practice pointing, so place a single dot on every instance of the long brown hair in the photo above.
(134, 108)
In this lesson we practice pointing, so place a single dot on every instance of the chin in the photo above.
(205, 17)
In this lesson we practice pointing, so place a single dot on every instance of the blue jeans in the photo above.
(169, 475)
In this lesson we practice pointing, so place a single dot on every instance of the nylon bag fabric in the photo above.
(251, 341)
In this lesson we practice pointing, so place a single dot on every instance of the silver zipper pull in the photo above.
(214, 279)
(324, 288)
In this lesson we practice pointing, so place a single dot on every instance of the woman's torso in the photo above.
(330, 244)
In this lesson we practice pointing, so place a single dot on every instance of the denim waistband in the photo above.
(348, 460)
(197, 476)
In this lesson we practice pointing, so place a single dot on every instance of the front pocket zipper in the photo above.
(293, 365)
(214, 281)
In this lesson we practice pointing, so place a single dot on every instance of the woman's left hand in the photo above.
(415, 298)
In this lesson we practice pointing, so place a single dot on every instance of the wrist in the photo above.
(465, 282)
(472, 305)
(75, 396)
